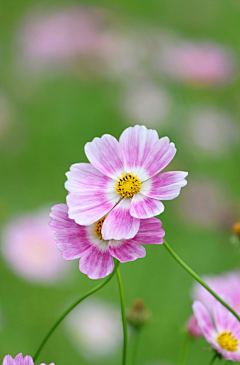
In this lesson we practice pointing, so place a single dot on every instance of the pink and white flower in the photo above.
(86, 242)
(220, 328)
(30, 250)
(19, 360)
(123, 180)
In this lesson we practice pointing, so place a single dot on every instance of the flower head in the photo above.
(86, 242)
(19, 360)
(220, 328)
(123, 181)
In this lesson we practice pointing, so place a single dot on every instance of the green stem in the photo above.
(124, 322)
(135, 341)
(183, 350)
(196, 277)
(214, 358)
(99, 286)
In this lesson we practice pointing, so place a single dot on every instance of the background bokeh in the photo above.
(70, 71)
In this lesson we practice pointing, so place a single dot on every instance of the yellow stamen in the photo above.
(227, 341)
(98, 227)
(128, 185)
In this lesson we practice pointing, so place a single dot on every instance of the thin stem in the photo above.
(124, 322)
(135, 345)
(196, 277)
(184, 349)
(214, 358)
(99, 286)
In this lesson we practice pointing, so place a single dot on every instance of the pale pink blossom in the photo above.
(123, 181)
(95, 329)
(220, 328)
(96, 254)
(30, 250)
(193, 328)
(20, 360)
(203, 64)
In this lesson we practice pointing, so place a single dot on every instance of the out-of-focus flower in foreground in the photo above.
(123, 180)
(227, 284)
(30, 250)
(86, 242)
(20, 360)
(200, 64)
(193, 328)
(220, 328)
(95, 327)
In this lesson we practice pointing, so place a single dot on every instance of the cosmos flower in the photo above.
(220, 328)
(95, 329)
(30, 250)
(123, 180)
(19, 360)
(86, 242)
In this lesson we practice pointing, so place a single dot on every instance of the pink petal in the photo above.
(8, 360)
(150, 232)
(204, 321)
(105, 155)
(26, 361)
(119, 223)
(136, 143)
(164, 186)
(72, 239)
(98, 264)
(224, 319)
(145, 207)
(126, 250)
(159, 157)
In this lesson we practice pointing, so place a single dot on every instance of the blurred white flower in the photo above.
(95, 328)
(145, 103)
(30, 250)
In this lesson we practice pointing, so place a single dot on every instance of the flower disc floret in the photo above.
(227, 341)
(128, 185)
(98, 228)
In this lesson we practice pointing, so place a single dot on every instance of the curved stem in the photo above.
(99, 286)
(124, 322)
(183, 350)
(214, 358)
(196, 277)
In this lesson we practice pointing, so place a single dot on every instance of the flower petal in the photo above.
(136, 143)
(98, 264)
(105, 155)
(8, 360)
(126, 250)
(150, 232)
(204, 321)
(159, 157)
(119, 224)
(224, 319)
(145, 207)
(26, 361)
(73, 240)
(164, 186)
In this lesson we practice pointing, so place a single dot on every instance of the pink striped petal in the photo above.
(88, 208)
(224, 319)
(73, 240)
(105, 155)
(136, 143)
(119, 224)
(160, 186)
(8, 360)
(150, 232)
(204, 321)
(126, 250)
(98, 264)
(159, 157)
(145, 207)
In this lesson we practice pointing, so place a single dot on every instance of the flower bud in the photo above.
(193, 328)
(236, 228)
(138, 315)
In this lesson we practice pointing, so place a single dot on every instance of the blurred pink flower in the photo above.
(95, 328)
(30, 250)
(86, 242)
(220, 328)
(203, 64)
(123, 179)
(19, 360)
(227, 284)
(62, 35)
(193, 328)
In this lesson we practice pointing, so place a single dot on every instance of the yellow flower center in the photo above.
(227, 341)
(98, 227)
(128, 185)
